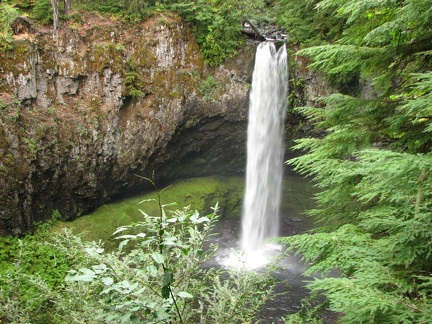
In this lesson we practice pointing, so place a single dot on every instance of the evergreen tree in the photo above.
(374, 165)
(306, 24)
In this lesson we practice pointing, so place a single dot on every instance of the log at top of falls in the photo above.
(272, 35)
(251, 31)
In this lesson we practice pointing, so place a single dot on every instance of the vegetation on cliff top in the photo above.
(218, 24)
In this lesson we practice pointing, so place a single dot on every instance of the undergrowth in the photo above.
(154, 276)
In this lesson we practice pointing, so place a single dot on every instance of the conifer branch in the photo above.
(421, 180)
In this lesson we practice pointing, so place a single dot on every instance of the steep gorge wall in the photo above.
(83, 113)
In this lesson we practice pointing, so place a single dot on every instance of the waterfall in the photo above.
(264, 170)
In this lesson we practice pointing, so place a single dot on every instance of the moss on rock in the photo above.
(200, 194)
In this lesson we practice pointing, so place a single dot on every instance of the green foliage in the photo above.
(218, 25)
(76, 18)
(209, 88)
(32, 271)
(42, 257)
(11, 110)
(306, 24)
(200, 193)
(22, 4)
(138, 10)
(373, 165)
(38, 294)
(161, 280)
(106, 7)
(382, 249)
(134, 84)
(7, 14)
(42, 11)
(155, 276)
(129, 10)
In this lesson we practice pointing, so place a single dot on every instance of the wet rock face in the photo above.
(83, 114)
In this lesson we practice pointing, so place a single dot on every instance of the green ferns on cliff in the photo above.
(373, 165)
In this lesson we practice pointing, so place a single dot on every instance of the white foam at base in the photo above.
(252, 260)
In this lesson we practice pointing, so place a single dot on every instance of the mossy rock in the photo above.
(200, 194)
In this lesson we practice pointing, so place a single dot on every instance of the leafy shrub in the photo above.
(23, 4)
(76, 18)
(307, 24)
(32, 272)
(209, 87)
(160, 279)
(155, 276)
(129, 10)
(218, 25)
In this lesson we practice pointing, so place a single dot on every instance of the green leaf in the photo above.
(184, 294)
(146, 200)
(165, 291)
(122, 245)
(169, 204)
(121, 229)
(170, 240)
(107, 281)
(126, 318)
(152, 270)
(168, 278)
(127, 236)
(185, 251)
(158, 258)
(202, 220)
(94, 250)
(86, 275)
(100, 268)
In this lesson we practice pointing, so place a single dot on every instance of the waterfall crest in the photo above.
(264, 169)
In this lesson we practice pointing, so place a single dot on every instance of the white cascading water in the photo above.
(264, 170)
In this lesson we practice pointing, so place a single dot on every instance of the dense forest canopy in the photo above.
(373, 163)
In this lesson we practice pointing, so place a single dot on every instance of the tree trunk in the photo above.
(55, 15)
(67, 7)
(254, 33)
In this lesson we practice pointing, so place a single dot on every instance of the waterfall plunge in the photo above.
(267, 110)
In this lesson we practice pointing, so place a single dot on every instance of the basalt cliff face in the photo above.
(85, 112)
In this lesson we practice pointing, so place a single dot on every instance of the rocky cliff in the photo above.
(84, 112)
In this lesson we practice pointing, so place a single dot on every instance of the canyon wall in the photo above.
(87, 113)
(82, 113)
